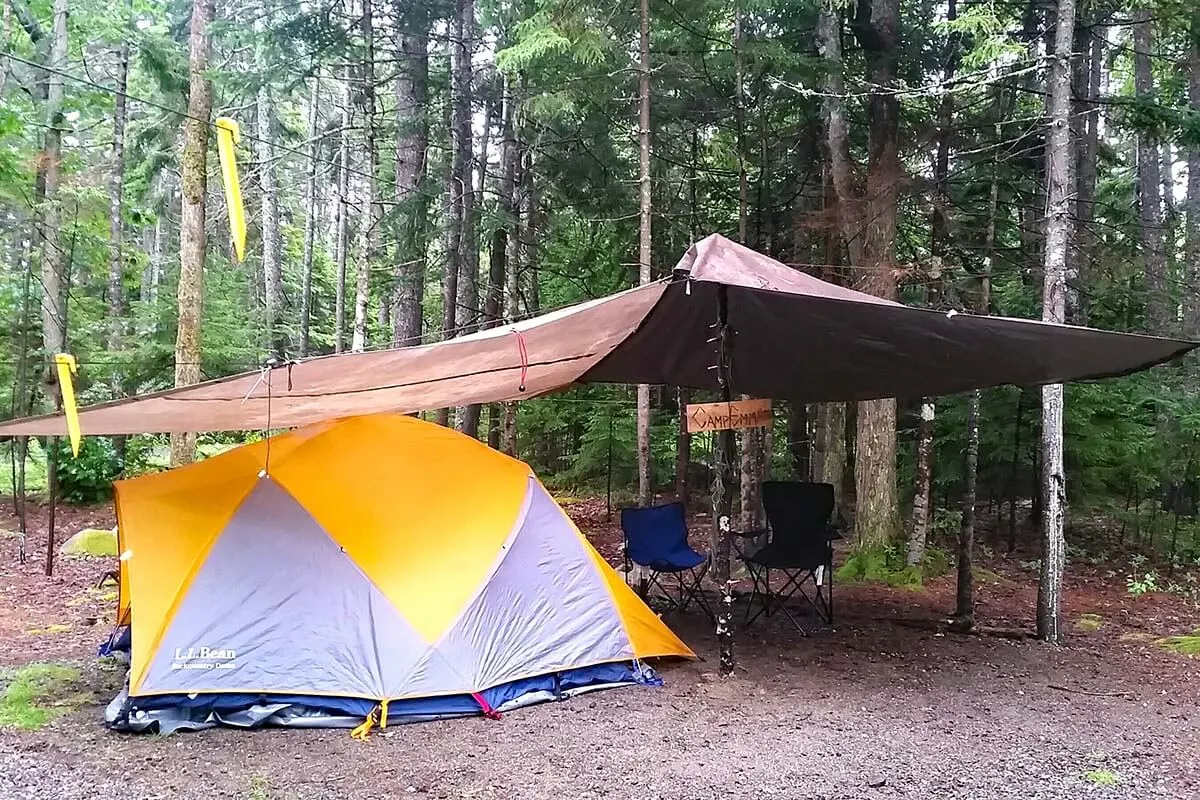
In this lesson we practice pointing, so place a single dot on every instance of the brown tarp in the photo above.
(793, 337)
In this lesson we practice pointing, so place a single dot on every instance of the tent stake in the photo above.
(722, 497)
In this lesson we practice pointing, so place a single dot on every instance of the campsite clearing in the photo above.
(879, 708)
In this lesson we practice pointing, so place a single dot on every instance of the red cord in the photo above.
(524, 358)
(488, 711)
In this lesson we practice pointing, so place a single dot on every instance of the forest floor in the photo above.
(882, 705)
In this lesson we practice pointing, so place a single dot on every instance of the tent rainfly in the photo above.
(345, 571)
(791, 336)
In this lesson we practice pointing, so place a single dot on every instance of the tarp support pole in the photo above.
(722, 496)
(52, 491)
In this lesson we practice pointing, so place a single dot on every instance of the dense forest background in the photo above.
(419, 170)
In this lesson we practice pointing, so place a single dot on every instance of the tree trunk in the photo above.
(1058, 224)
(310, 215)
(342, 237)
(520, 245)
(799, 444)
(868, 226)
(505, 233)
(645, 467)
(157, 256)
(53, 250)
(1086, 166)
(276, 340)
(829, 446)
(965, 594)
(1191, 308)
(366, 230)
(412, 97)
(467, 318)
(918, 531)
(192, 243)
(750, 439)
(116, 228)
(1149, 178)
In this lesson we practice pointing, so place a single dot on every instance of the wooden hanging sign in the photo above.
(734, 414)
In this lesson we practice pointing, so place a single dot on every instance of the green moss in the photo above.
(37, 694)
(57, 627)
(1089, 623)
(876, 565)
(1188, 644)
(1102, 777)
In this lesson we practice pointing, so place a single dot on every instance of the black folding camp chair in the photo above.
(800, 529)
(656, 539)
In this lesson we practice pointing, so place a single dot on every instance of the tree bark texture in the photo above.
(116, 226)
(918, 531)
(412, 96)
(276, 339)
(369, 217)
(645, 487)
(342, 234)
(1083, 253)
(1192, 209)
(1149, 179)
(192, 242)
(1058, 225)
(53, 247)
(867, 219)
(310, 215)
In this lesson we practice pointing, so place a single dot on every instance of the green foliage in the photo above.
(888, 565)
(87, 478)
(37, 694)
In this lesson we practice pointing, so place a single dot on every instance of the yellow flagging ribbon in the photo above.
(66, 368)
(378, 714)
(228, 136)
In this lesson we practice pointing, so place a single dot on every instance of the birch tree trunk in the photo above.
(1058, 226)
(367, 220)
(1149, 178)
(412, 96)
(918, 533)
(645, 467)
(750, 440)
(192, 242)
(310, 215)
(342, 234)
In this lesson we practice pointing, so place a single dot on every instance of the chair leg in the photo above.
(694, 590)
(762, 588)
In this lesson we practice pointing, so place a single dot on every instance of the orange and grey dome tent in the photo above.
(368, 567)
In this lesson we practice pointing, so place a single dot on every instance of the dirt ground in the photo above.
(875, 707)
